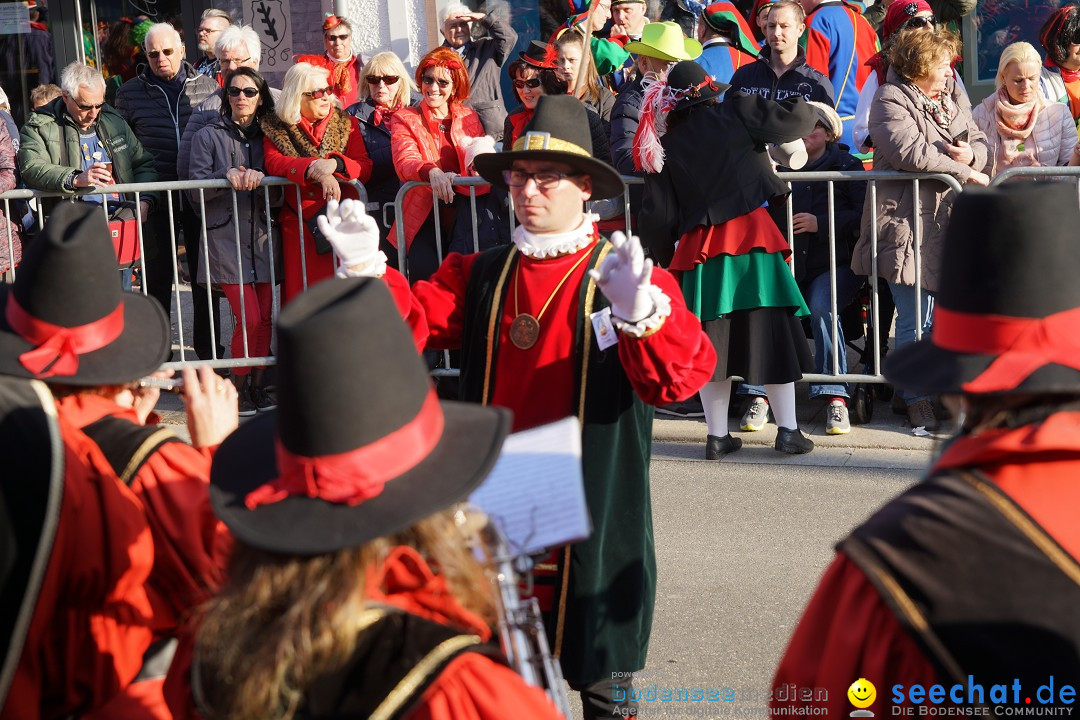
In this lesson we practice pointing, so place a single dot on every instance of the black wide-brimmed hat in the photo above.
(1007, 316)
(66, 318)
(690, 84)
(558, 131)
(359, 446)
(539, 55)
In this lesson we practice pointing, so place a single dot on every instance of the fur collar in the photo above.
(294, 142)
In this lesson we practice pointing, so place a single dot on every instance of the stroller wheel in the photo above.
(862, 404)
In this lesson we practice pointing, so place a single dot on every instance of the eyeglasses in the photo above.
(332, 38)
(316, 94)
(920, 22)
(545, 180)
(248, 92)
(387, 80)
(233, 64)
(530, 83)
(429, 80)
(153, 54)
(88, 107)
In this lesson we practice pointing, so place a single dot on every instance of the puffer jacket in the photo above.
(206, 113)
(1054, 134)
(216, 148)
(49, 150)
(384, 183)
(415, 149)
(906, 138)
(157, 122)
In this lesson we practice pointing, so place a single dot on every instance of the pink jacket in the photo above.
(415, 148)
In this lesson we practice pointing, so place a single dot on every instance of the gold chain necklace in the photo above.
(525, 329)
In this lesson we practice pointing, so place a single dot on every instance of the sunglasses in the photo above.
(530, 83)
(89, 107)
(384, 79)
(428, 80)
(153, 54)
(332, 38)
(921, 22)
(248, 92)
(316, 94)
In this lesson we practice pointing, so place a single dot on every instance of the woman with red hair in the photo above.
(434, 141)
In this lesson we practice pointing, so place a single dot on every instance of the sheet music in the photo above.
(536, 493)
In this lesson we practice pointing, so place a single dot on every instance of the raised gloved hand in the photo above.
(477, 146)
(354, 235)
(625, 278)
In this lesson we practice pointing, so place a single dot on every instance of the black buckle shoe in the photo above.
(792, 442)
(717, 447)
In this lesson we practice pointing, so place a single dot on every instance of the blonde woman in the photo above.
(385, 88)
(1022, 128)
(310, 140)
(578, 70)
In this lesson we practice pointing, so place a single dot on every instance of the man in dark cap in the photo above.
(970, 580)
(563, 322)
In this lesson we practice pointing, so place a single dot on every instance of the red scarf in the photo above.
(1069, 76)
(384, 114)
(340, 77)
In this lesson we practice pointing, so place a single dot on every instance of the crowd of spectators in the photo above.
(371, 122)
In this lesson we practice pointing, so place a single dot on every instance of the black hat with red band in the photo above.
(66, 318)
(360, 446)
(1007, 315)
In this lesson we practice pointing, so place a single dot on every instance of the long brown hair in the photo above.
(283, 620)
(588, 88)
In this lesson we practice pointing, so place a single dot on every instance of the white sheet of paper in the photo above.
(536, 493)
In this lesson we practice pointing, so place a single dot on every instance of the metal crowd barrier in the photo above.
(169, 204)
(872, 178)
(1037, 173)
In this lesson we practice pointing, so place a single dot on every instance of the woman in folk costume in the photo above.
(353, 589)
(1060, 80)
(729, 251)
(343, 66)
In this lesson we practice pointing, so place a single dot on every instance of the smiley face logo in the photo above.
(862, 693)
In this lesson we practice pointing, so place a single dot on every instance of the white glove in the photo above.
(477, 146)
(791, 155)
(354, 235)
(625, 278)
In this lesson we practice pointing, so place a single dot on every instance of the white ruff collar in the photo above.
(545, 245)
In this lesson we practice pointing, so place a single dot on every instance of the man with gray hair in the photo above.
(483, 58)
(211, 25)
(157, 103)
(77, 141)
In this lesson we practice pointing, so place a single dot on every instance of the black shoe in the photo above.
(689, 408)
(263, 399)
(792, 442)
(244, 406)
(717, 447)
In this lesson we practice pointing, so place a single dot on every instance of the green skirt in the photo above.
(726, 283)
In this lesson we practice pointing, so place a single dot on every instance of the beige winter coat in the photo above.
(1053, 137)
(906, 138)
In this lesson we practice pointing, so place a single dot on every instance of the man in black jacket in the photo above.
(781, 72)
(157, 103)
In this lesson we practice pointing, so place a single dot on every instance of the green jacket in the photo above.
(50, 149)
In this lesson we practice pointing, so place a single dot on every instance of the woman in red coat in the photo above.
(313, 142)
(431, 142)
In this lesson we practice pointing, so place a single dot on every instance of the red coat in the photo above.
(848, 632)
(415, 148)
(190, 543)
(91, 623)
(289, 163)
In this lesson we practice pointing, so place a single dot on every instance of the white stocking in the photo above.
(715, 397)
(782, 400)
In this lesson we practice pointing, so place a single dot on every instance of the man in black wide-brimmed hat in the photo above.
(972, 577)
(563, 322)
(66, 322)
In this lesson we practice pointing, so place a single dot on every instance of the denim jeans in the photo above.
(904, 298)
(816, 294)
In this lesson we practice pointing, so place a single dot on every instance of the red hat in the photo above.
(331, 22)
(900, 12)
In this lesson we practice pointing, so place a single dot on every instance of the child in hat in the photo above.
(352, 591)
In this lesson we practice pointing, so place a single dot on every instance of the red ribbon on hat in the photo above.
(58, 348)
(1022, 345)
(354, 476)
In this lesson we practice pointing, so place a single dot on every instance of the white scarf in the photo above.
(545, 245)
